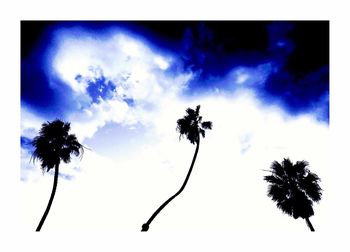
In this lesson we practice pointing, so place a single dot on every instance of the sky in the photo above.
(123, 85)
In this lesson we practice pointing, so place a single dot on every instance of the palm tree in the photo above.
(53, 144)
(294, 188)
(192, 127)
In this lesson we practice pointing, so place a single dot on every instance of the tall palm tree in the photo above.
(294, 188)
(53, 144)
(192, 127)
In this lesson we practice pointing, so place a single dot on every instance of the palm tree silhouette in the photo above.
(294, 188)
(192, 127)
(53, 144)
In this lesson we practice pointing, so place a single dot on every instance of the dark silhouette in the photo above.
(53, 144)
(192, 127)
(294, 188)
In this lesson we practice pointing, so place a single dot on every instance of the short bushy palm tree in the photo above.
(294, 188)
(53, 144)
(192, 127)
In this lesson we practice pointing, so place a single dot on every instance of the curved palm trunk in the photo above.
(50, 200)
(145, 226)
(309, 224)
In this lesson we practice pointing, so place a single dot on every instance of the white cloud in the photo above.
(138, 72)
(89, 120)
(117, 56)
(161, 62)
(241, 78)
(30, 123)
(257, 75)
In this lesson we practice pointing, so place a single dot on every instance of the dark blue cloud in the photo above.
(298, 95)
(43, 92)
(281, 44)
(298, 51)
(212, 49)
(26, 165)
(26, 143)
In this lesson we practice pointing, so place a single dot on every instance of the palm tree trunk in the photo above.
(145, 226)
(50, 200)
(309, 224)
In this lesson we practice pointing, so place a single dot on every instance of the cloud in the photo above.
(30, 123)
(227, 180)
(306, 94)
(26, 143)
(116, 79)
(117, 56)
(27, 169)
(280, 43)
(136, 79)
(254, 77)
(66, 176)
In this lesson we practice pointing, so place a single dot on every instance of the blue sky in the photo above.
(122, 85)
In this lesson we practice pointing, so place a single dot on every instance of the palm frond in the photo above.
(278, 193)
(288, 168)
(191, 126)
(274, 180)
(197, 110)
(190, 112)
(207, 125)
(301, 166)
(302, 205)
(293, 187)
(277, 169)
(286, 206)
(54, 143)
(311, 187)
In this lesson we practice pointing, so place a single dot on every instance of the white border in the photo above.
(14, 11)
